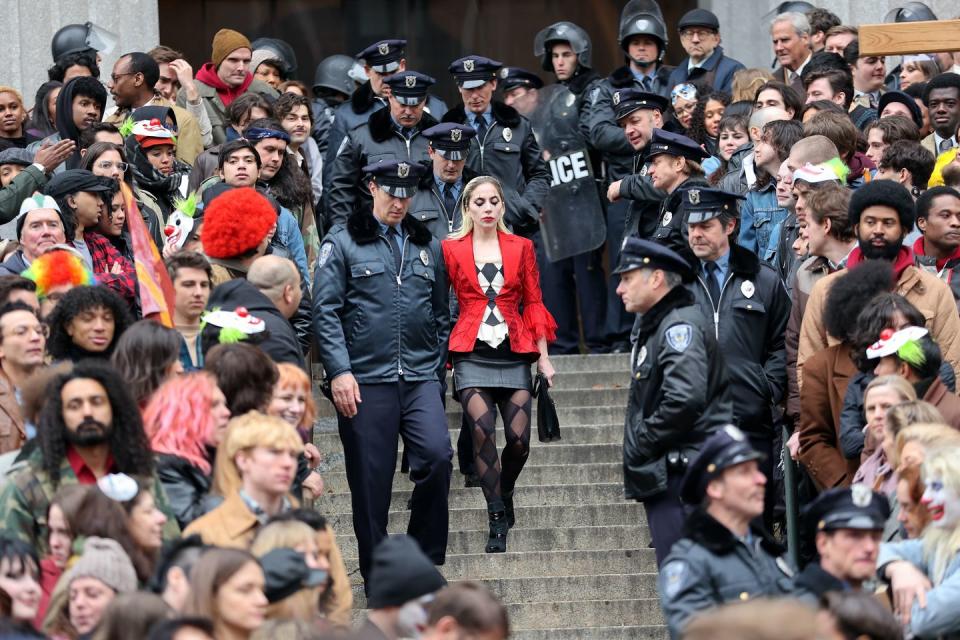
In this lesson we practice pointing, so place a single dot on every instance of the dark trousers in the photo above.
(571, 285)
(665, 516)
(618, 321)
(412, 411)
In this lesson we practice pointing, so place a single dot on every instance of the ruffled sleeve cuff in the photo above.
(539, 321)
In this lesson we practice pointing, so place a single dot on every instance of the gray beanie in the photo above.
(105, 560)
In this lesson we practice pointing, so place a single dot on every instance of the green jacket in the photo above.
(216, 110)
(31, 179)
(25, 501)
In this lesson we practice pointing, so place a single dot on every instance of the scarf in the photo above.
(208, 76)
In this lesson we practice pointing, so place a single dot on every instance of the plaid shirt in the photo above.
(104, 256)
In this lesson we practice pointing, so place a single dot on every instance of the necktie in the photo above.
(713, 287)
(645, 83)
(481, 128)
(946, 145)
(393, 237)
(449, 201)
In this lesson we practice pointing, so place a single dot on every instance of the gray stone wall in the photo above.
(745, 24)
(26, 27)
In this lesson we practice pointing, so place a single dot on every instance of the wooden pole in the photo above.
(900, 38)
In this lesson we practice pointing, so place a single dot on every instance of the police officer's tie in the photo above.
(481, 128)
(646, 84)
(393, 239)
(712, 285)
(449, 201)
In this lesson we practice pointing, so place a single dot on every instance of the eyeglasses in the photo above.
(106, 165)
(703, 34)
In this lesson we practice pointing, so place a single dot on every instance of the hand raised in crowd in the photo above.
(185, 77)
(908, 584)
(346, 394)
(53, 155)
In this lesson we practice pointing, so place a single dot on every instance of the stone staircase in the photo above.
(578, 564)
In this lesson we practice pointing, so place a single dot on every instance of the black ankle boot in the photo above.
(497, 543)
(508, 509)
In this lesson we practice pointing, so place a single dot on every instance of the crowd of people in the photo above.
(776, 251)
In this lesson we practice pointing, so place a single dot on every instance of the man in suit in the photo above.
(791, 44)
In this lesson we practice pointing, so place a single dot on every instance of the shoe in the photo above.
(471, 480)
(508, 509)
(497, 542)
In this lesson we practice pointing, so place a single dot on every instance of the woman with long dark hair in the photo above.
(147, 354)
(43, 121)
(502, 329)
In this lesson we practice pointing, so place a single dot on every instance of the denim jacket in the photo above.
(941, 617)
(760, 216)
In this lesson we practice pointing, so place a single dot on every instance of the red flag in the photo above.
(156, 288)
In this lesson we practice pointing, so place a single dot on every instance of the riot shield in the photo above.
(572, 220)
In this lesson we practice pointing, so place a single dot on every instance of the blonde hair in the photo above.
(466, 222)
(940, 545)
(932, 436)
(304, 604)
(747, 81)
(903, 388)
(901, 416)
(253, 429)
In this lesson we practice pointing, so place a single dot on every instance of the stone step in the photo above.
(335, 481)
(646, 632)
(466, 541)
(593, 515)
(524, 564)
(592, 362)
(463, 498)
(581, 612)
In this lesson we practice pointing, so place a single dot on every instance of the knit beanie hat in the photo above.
(105, 560)
(401, 572)
(236, 222)
(885, 193)
(226, 42)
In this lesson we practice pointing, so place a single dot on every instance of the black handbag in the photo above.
(548, 425)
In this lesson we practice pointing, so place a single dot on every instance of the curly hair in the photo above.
(144, 355)
(60, 345)
(876, 316)
(127, 440)
(850, 293)
(698, 127)
(245, 374)
(81, 58)
(177, 418)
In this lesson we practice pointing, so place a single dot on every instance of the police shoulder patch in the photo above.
(674, 573)
(679, 336)
(324, 254)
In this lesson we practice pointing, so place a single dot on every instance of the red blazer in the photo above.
(521, 285)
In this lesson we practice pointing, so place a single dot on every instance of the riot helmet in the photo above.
(79, 38)
(575, 36)
(911, 12)
(643, 18)
(282, 51)
(333, 73)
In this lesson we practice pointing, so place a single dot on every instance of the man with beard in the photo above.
(89, 427)
(882, 213)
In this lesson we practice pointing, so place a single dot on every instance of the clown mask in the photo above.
(942, 503)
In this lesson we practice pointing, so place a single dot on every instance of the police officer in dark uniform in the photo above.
(678, 394)
(574, 288)
(332, 86)
(504, 146)
(520, 89)
(847, 525)
(724, 555)
(381, 317)
(745, 301)
(389, 134)
(381, 59)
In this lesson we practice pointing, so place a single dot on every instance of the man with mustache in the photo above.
(89, 427)
(848, 528)
(724, 554)
(882, 213)
(938, 249)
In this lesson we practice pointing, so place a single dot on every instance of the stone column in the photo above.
(28, 25)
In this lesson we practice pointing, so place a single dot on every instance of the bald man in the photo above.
(272, 293)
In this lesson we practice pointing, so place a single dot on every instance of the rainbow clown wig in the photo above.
(57, 268)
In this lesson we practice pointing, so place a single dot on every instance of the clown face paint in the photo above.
(942, 503)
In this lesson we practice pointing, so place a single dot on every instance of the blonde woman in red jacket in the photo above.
(502, 329)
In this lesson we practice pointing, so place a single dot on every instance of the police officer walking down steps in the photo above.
(678, 394)
(724, 556)
(381, 317)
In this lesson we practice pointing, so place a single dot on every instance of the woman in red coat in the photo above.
(503, 327)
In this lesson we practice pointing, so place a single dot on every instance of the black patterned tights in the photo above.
(498, 476)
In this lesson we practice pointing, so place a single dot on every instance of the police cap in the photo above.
(626, 101)
(637, 253)
(513, 77)
(397, 178)
(384, 56)
(853, 507)
(674, 144)
(471, 72)
(699, 204)
(450, 139)
(724, 449)
(409, 87)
